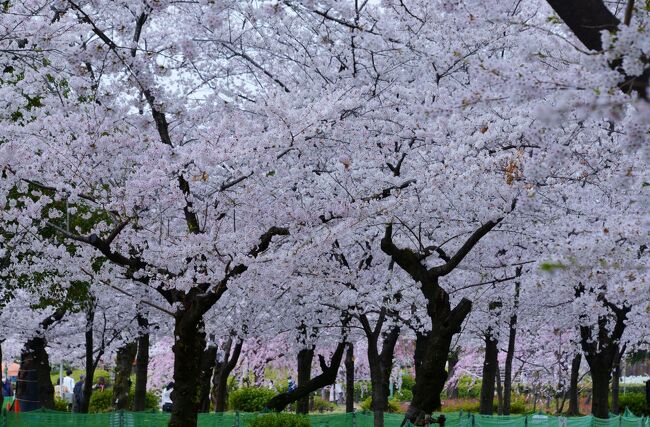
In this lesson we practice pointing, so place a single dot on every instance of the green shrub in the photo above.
(460, 405)
(634, 402)
(518, 406)
(408, 382)
(249, 399)
(281, 420)
(60, 404)
(102, 401)
(393, 405)
(322, 405)
(404, 395)
(468, 387)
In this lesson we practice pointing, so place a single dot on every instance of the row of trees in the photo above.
(220, 171)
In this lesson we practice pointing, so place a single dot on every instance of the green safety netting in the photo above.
(44, 418)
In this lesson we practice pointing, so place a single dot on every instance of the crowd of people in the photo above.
(72, 391)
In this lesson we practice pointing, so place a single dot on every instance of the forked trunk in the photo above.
(222, 369)
(327, 377)
(208, 361)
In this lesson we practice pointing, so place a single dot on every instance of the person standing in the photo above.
(166, 398)
(68, 386)
(291, 384)
(77, 394)
(7, 390)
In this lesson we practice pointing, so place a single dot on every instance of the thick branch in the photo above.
(587, 19)
(408, 260)
(449, 266)
(327, 377)
(265, 239)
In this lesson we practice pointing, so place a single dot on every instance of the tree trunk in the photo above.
(123, 366)
(499, 390)
(510, 352)
(349, 379)
(305, 358)
(380, 363)
(431, 376)
(208, 360)
(574, 405)
(141, 366)
(616, 376)
(421, 340)
(222, 369)
(35, 370)
(452, 361)
(507, 375)
(600, 387)
(90, 361)
(489, 375)
(445, 323)
(188, 348)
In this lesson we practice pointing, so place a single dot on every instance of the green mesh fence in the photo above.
(44, 418)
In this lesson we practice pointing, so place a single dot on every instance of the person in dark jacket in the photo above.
(77, 394)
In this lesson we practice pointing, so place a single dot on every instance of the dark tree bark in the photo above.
(486, 406)
(91, 365)
(586, 19)
(141, 365)
(189, 344)
(452, 361)
(445, 322)
(421, 340)
(305, 357)
(616, 376)
(510, 352)
(600, 347)
(35, 366)
(349, 378)
(574, 404)
(327, 377)
(499, 390)
(208, 361)
(381, 363)
(123, 367)
(222, 369)
(2, 395)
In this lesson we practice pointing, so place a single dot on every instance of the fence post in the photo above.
(237, 419)
(354, 419)
(473, 420)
